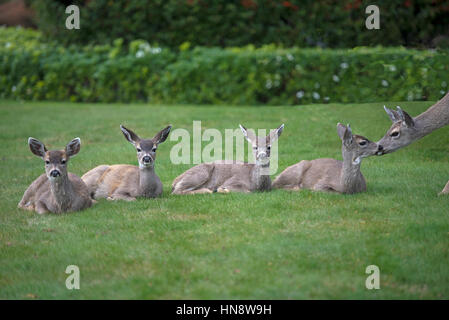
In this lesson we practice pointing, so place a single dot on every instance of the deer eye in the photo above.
(269, 148)
(47, 162)
(154, 149)
(63, 161)
(139, 150)
(362, 143)
(395, 134)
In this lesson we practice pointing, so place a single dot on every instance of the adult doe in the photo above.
(226, 176)
(330, 174)
(56, 190)
(127, 182)
(406, 129)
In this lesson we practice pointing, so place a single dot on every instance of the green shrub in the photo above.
(34, 70)
(224, 23)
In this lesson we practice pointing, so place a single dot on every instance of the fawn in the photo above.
(225, 176)
(56, 190)
(330, 174)
(127, 182)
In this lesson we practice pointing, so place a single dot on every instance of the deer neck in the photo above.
(260, 177)
(435, 117)
(62, 191)
(350, 177)
(147, 180)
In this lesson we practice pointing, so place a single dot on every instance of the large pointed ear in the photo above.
(394, 116)
(130, 135)
(345, 133)
(162, 135)
(73, 147)
(405, 117)
(249, 135)
(275, 134)
(37, 147)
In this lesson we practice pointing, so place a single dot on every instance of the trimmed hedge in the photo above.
(224, 23)
(34, 70)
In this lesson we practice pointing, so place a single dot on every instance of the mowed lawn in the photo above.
(277, 245)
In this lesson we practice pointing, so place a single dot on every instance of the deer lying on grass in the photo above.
(406, 129)
(330, 174)
(226, 176)
(127, 182)
(56, 190)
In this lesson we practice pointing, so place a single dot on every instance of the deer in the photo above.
(331, 175)
(406, 129)
(56, 190)
(129, 182)
(224, 176)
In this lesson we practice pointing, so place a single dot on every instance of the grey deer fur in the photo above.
(56, 190)
(406, 129)
(226, 176)
(330, 174)
(127, 182)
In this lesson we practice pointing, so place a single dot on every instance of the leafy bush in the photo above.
(33, 70)
(224, 23)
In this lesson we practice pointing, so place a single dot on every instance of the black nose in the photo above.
(55, 173)
(380, 148)
(146, 159)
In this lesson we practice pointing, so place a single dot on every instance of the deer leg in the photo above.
(193, 180)
(233, 185)
(199, 191)
(292, 177)
(121, 197)
(41, 208)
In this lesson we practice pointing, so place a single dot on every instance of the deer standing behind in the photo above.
(127, 182)
(56, 190)
(330, 174)
(226, 176)
(406, 129)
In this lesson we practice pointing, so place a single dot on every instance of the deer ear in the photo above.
(405, 117)
(275, 134)
(394, 117)
(73, 147)
(37, 147)
(162, 135)
(249, 135)
(345, 133)
(130, 135)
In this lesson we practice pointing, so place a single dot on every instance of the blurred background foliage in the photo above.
(226, 52)
(34, 69)
(224, 23)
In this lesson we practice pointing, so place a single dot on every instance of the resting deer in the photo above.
(330, 174)
(127, 182)
(226, 176)
(406, 129)
(56, 190)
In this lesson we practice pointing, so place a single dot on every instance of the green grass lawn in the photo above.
(277, 245)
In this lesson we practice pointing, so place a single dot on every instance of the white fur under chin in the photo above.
(143, 166)
(357, 160)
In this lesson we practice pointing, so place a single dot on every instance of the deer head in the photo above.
(55, 160)
(146, 148)
(401, 132)
(355, 147)
(261, 146)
